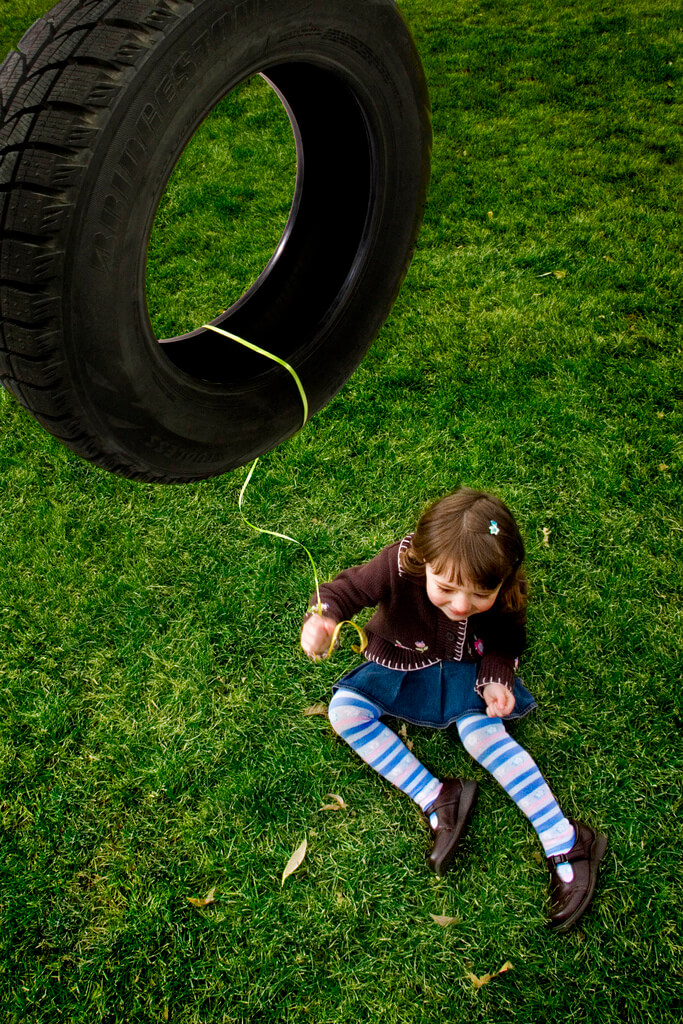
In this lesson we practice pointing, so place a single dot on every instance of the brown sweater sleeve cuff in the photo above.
(494, 669)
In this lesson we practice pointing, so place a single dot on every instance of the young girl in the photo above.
(442, 649)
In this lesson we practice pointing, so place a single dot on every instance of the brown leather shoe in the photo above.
(570, 899)
(454, 806)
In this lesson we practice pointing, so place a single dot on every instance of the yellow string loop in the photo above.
(273, 533)
(361, 635)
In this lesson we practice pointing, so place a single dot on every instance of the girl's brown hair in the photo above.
(472, 536)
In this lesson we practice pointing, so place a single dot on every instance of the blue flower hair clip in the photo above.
(494, 528)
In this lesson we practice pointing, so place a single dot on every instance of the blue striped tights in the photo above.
(356, 720)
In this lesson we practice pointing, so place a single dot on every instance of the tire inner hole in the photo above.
(263, 225)
(223, 211)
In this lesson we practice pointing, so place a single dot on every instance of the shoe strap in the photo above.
(568, 858)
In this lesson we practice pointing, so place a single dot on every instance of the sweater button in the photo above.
(450, 636)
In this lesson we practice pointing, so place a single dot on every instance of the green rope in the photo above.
(273, 533)
(304, 400)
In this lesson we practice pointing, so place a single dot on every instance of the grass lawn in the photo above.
(154, 745)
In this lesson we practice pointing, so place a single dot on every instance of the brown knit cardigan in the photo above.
(408, 632)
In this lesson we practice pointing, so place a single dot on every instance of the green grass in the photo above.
(153, 744)
(215, 232)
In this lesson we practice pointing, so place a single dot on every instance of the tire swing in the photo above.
(96, 108)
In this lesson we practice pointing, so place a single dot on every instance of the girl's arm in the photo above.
(362, 586)
(504, 639)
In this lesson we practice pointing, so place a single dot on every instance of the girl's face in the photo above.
(457, 601)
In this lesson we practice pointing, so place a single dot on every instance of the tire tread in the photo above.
(56, 89)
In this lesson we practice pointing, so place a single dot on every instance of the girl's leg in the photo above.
(448, 804)
(487, 740)
(356, 720)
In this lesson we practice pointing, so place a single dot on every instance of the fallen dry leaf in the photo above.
(443, 920)
(209, 898)
(294, 862)
(403, 733)
(559, 274)
(486, 978)
(339, 804)
(546, 536)
(316, 709)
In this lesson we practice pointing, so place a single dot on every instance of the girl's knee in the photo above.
(477, 735)
(347, 709)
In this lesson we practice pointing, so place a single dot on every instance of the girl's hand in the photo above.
(499, 700)
(317, 635)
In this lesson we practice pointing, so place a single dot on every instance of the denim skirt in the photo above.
(435, 696)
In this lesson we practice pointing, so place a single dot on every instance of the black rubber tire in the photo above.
(96, 106)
